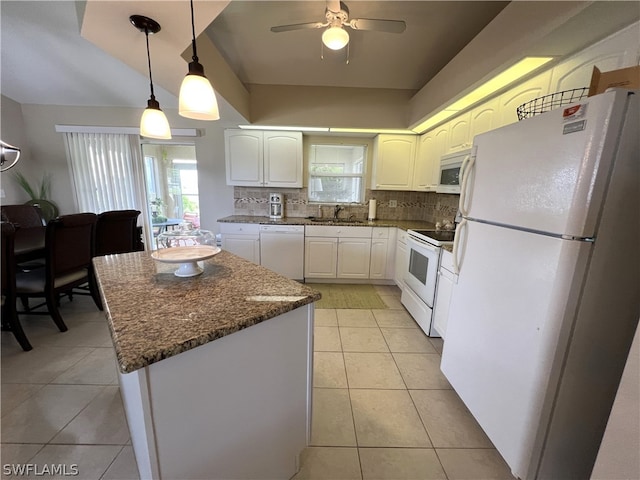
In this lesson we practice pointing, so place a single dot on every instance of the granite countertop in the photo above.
(403, 224)
(154, 315)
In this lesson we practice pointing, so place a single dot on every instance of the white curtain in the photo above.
(107, 173)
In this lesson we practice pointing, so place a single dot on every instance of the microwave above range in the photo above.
(451, 172)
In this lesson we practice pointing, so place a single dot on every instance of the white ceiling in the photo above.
(45, 60)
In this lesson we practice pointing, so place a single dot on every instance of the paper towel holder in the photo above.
(372, 209)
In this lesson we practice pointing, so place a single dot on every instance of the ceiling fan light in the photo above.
(335, 38)
(154, 123)
(197, 99)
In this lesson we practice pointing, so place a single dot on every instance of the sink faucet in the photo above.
(336, 210)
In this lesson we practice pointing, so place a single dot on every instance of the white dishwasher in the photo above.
(282, 249)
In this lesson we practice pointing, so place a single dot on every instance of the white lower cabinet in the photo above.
(354, 256)
(402, 258)
(345, 252)
(444, 291)
(242, 239)
(383, 245)
(320, 257)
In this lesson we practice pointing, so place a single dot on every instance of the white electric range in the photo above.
(424, 250)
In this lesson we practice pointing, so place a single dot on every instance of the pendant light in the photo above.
(154, 123)
(197, 99)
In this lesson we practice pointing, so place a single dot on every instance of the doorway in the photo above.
(171, 180)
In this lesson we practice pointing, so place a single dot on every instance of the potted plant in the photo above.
(40, 195)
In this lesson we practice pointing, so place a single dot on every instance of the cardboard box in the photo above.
(623, 78)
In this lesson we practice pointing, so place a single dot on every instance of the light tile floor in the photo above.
(382, 409)
(61, 402)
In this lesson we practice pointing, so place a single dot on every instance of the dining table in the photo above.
(29, 244)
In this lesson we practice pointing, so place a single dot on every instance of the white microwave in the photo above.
(451, 172)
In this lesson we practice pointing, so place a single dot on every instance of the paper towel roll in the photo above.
(372, 209)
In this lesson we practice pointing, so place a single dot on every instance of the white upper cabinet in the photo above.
(431, 147)
(283, 159)
(393, 162)
(263, 159)
(484, 118)
(423, 180)
(509, 102)
(459, 133)
(619, 51)
(243, 155)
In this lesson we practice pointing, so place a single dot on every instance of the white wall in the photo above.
(47, 152)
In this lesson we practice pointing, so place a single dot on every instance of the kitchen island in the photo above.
(215, 370)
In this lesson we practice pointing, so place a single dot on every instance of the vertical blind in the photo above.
(107, 172)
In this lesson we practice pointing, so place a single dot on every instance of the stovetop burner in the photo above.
(436, 237)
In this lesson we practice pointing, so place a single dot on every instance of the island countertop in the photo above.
(155, 315)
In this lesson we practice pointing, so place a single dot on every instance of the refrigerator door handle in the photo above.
(456, 246)
(465, 169)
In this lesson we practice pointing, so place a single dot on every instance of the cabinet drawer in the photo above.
(339, 232)
(380, 232)
(241, 228)
(402, 236)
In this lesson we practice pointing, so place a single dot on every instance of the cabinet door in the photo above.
(378, 263)
(320, 257)
(393, 162)
(283, 159)
(423, 179)
(441, 136)
(243, 157)
(459, 133)
(245, 246)
(484, 118)
(354, 256)
(442, 302)
(402, 263)
(525, 92)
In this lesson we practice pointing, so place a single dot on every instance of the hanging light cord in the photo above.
(146, 34)
(193, 35)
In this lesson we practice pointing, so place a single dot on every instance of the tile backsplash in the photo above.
(428, 206)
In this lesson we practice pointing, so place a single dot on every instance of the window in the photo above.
(336, 173)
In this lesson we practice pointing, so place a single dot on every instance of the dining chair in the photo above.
(23, 216)
(10, 320)
(117, 232)
(69, 248)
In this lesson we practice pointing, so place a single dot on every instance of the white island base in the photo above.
(238, 407)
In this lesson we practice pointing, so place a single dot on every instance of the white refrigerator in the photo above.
(548, 294)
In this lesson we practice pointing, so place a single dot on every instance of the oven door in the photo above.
(423, 269)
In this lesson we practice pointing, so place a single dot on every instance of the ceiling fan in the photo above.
(335, 36)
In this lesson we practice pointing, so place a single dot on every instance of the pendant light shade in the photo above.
(335, 37)
(197, 99)
(154, 123)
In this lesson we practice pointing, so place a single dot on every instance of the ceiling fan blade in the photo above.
(389, 26)
(298, 26)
